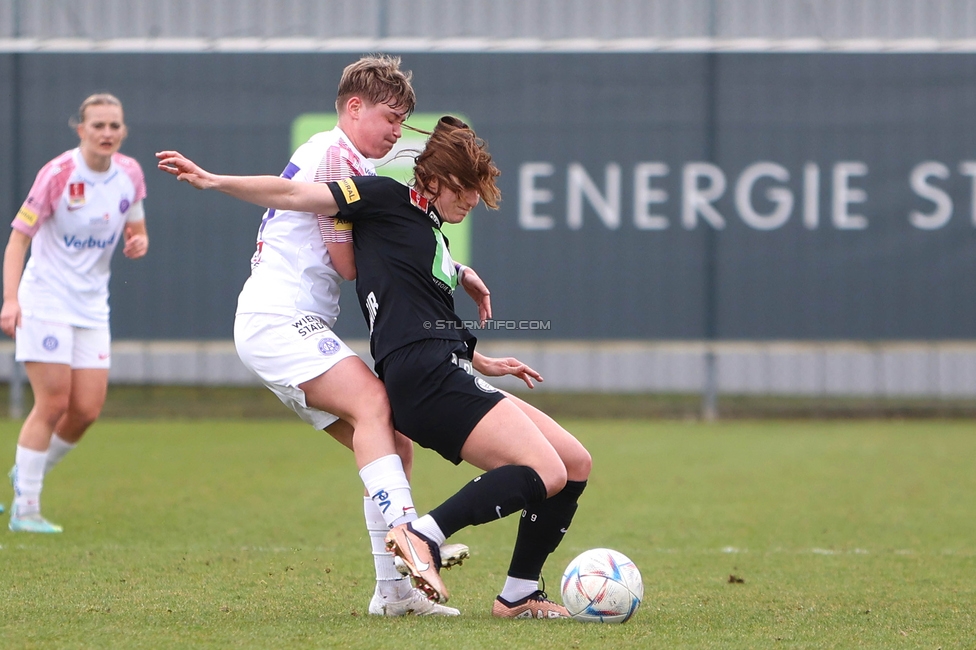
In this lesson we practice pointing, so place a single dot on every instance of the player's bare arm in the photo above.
(499, 367)
(475, 287)
(343, 259)
(136, 240)
(266, 191)
(13, 269)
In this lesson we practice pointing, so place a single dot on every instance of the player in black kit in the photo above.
(425, 356)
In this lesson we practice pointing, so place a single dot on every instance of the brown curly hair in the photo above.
(457, 160)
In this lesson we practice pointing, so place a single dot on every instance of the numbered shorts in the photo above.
(47, 342)
(436, 401)
(286, 351)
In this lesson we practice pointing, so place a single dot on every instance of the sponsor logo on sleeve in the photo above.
(343, 225)
(423, 203)
(419, 200)
(349, 190)
(27, 216)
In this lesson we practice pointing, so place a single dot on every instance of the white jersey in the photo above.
(75, 218)
(291, 271)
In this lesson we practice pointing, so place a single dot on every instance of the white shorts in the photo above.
(287, 351)
(78, 347)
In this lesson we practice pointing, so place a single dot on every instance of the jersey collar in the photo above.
(344, 136)
(88, 174)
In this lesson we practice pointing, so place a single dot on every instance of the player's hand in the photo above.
(136, 246)
(492, 367)
(475, 287)
(10, 318)
(175, 163)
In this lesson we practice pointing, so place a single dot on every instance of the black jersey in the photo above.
(405, 277)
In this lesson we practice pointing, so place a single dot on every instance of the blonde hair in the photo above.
(377, 79)
(98, 99)
(458, 160)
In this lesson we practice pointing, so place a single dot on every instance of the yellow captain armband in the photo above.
(27, 216)
(349, 190)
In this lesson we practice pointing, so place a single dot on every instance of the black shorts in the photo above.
(435, 402)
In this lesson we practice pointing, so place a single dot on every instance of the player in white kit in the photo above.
(286, 310)
(82, 204)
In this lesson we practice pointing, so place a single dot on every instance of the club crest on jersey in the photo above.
(423, 203)
(76, 195)
(124, 205)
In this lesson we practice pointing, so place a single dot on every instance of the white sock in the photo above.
(394, 589)
(427, 527)
(377, 529)
(57, 450)
(388, 486)
(29, 481)
(516, 589)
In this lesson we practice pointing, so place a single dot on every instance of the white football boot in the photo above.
(415, 604)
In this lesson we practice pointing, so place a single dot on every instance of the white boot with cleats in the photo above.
(414, 604)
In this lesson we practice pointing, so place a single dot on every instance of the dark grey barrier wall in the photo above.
(675, 196)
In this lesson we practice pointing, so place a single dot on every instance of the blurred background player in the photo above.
(290, 302)
(406, 281)
(81, 205)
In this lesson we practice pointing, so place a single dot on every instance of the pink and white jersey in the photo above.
(291, 270)
(75, 218)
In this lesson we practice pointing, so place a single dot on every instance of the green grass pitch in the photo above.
(237, 533)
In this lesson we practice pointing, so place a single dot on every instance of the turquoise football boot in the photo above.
(33, 523)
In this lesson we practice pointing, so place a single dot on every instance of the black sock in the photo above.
(488, 497)
(541, 529)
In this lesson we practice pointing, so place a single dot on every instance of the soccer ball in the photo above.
(602, 586)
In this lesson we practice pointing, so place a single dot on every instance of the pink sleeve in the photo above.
(134, 172)
(42, 200)
(334, 166)
(334, 231)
